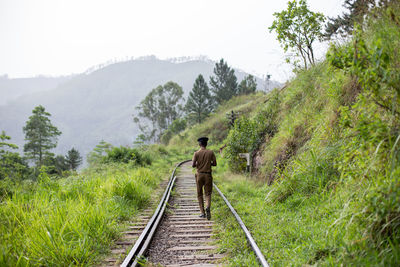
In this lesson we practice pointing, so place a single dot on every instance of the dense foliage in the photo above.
(249, 133)
(127, 155)
(175, 128)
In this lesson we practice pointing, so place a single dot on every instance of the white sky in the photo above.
(57, 37)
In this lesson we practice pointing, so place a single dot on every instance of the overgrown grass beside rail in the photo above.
(71, 221)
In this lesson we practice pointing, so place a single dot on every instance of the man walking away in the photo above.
(203, 159)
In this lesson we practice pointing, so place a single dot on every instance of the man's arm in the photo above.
(194, 160)
(213, 160)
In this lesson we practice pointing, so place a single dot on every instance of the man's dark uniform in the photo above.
(203, 159)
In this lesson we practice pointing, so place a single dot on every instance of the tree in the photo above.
(140, 140)
(73, 159)
(60, 164)
(98, 152)
(297, 29)
(176, 127)
(160, 107)
(247, 86)
(3, 144)
(11, 164)
(199, 103)
(343, 25)
(40, 134)
(54, 165)
(224, 83)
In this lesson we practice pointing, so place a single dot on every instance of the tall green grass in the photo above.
(333, 162)
(72, 221)
(308, 221)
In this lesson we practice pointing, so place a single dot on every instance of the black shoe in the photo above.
(202, 215)
(208, 212)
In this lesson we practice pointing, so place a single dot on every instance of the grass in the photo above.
(75, 220)
(311, 225)
(289, 233)
(216, 126)
(231, 238)
(334, 162)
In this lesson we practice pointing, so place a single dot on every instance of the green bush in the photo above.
(373, 60)
(249, 133)
(175, 128)
(240, 140)
(127, 155)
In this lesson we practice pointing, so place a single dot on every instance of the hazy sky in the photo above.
(56, 37)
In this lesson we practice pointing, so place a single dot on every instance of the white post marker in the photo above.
(247, 157)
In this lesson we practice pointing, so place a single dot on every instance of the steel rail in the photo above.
(145, 237)
(253, 244)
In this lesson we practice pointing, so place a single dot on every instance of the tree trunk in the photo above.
(312, 54)
(309, 58)
(302, 55)
(40, 151)
(199, 117)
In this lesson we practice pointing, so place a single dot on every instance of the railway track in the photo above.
(175, 235)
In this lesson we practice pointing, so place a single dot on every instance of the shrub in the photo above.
(373, 61)
(175, 128)
(248, 134)
(127, 155)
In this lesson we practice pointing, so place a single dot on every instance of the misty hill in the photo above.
(11, 89)
(99, 105)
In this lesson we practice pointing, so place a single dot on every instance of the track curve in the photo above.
(179, 237)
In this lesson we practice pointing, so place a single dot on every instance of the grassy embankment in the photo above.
(333, 160)
(325, 142)
(75, 220)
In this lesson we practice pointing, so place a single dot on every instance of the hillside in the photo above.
(11, 89)
(99, 105)
(324, 188)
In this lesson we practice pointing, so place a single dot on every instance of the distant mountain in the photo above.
(99, 104)
(11, 89)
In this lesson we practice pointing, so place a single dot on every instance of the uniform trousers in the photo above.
(204, 181)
